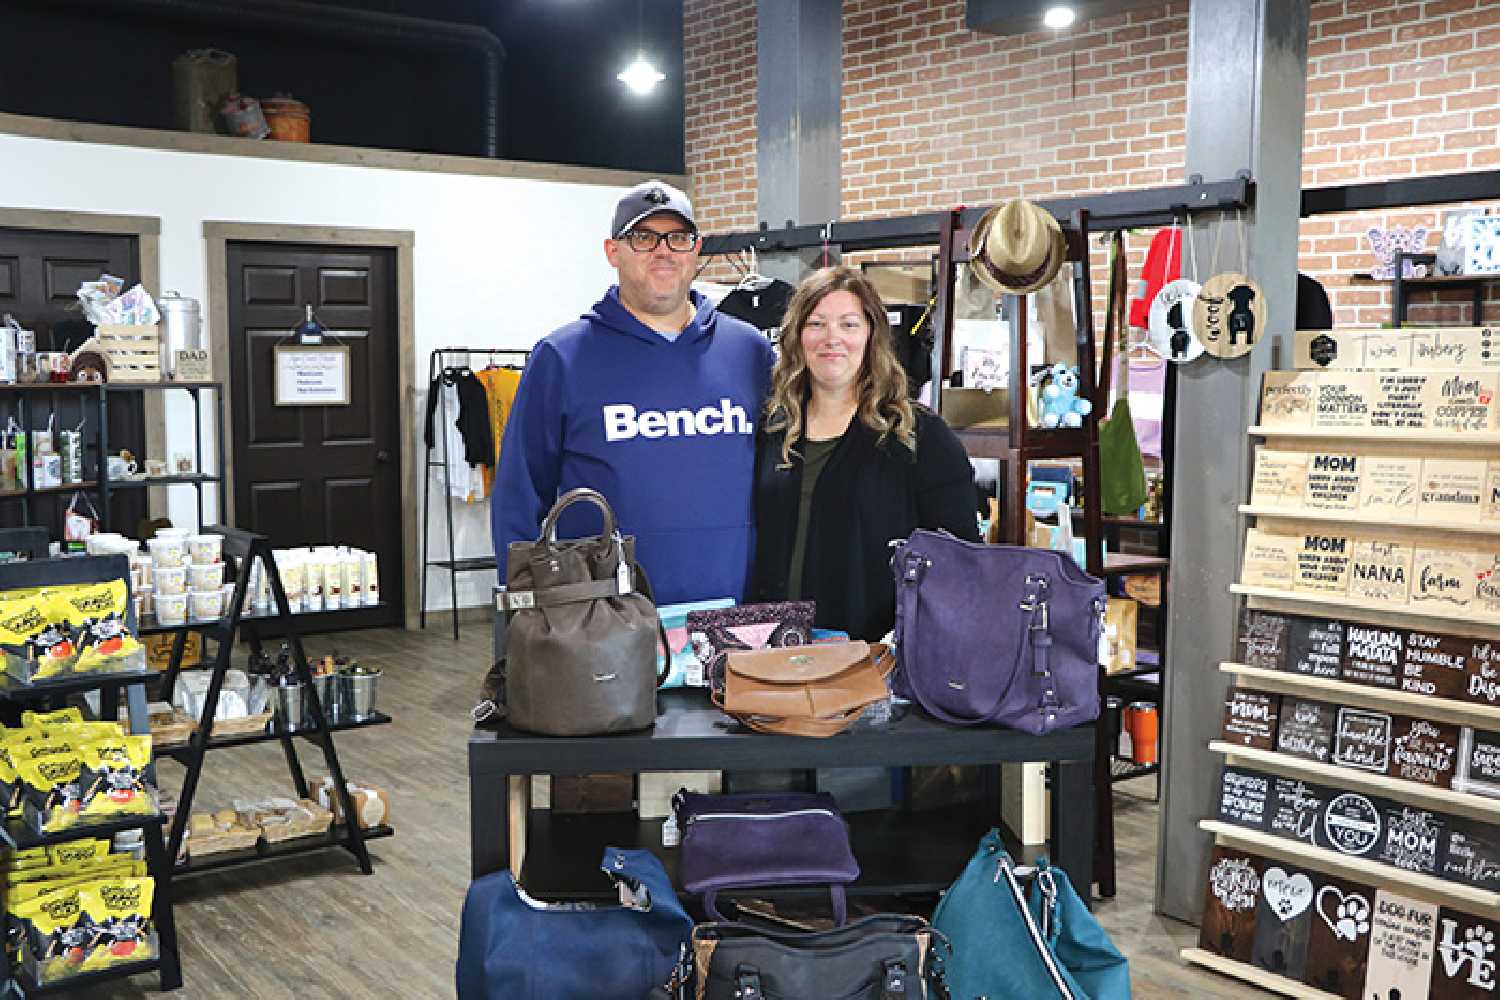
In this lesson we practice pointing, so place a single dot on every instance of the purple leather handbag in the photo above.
(748, 840)
(996, 633)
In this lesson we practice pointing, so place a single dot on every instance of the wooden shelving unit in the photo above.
(1367, 520)
(1460, 713)
(1254, 975)
(1302, 602)
(1424, 887)
(1490, 438)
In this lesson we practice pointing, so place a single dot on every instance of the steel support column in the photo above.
(798, 158)
(1247, 74)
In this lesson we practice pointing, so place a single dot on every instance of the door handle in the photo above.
(382, 456)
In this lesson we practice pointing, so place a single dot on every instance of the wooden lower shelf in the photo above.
(1476, 438)
(1444, 800)
(1300, 602)
(1426, 887)
(1364, 519)
(1460, 713)
(1255, 975)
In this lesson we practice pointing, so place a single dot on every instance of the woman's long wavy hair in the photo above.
(883, 406)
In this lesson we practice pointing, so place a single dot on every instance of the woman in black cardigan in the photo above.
(846, 463)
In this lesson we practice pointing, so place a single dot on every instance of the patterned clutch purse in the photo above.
(713, 634)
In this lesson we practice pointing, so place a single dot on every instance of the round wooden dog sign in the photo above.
(1169, 322)
(1229, 315)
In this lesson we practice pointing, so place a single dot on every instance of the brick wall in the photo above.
(935, 115)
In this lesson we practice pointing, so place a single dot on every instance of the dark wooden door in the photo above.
(40, 271)
(319, 475)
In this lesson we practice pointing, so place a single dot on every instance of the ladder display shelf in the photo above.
(54, 694)
(241, 550)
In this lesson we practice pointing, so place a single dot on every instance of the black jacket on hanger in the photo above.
(473, 417)
(869, 493)
(760, 302)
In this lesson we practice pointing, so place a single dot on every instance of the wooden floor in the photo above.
(313, 928)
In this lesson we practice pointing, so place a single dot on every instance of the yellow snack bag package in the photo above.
(36, 638)
(96, 611)
(79, 851)
(49, 772)
(56, 936)
(113, 778)
(32, 720)
(120, 912)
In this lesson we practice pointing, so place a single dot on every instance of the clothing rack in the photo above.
(437, 362)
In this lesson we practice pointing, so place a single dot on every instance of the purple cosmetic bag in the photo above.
(996, 633)
(749, 840)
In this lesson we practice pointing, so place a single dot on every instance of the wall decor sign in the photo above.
(1398, 402)
(1489, 510)
(1436, 665)
(1362, 739)
(1466, 960)
(1352, 824)
(1281, 478)
(1288, 399)
(1443, 349)
(1169, 332)
(1315, 647)
(1340, 940)
(1229, 314)
(1270, 560)
(1228, 926)
(1442, 581)
(1389, 486)
(1486, 569)
(1478, 763)
(1483, 686)
(1424, 751)
(311, 376)
(193, 366)
(1461, 403)
(1452, 490)
(1403, 932)
(1373, 655)
(1322, 564)
(1283, 921)
(1250, 718)
(1295, 809)
(1413, 838)
(1482, 243)
(1243, 796)
(1344, 400)
(1306, 729)
(1453, 349)
(1263, 639)
(1381, 571)
(1332, 481)
(1471, 854)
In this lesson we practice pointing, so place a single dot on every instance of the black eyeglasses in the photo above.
(646, 240)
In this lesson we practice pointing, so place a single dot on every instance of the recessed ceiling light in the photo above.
(1059, 17)
(640, 76)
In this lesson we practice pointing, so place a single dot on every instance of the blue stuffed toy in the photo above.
(1061, 406)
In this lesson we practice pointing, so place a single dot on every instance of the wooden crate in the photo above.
(134, 352)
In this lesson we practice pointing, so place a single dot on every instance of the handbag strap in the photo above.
(1038, 630)
(568, 499)
(1005, 875)
(835, 892)
(1114, 321)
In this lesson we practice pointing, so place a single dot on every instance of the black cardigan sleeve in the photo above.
(944, 479)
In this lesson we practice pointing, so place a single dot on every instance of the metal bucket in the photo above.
(327, 699)
(357, 696)
(181, 328)
(286, 701)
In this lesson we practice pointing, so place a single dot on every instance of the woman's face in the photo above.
(833, 340)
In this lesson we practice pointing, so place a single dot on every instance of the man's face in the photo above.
(655, 281)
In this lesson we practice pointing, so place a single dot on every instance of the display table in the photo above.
(899, 851)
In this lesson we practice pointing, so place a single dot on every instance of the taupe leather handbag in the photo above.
(580, 651)
(814, 690)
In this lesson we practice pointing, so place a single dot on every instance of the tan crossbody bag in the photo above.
(814, 690)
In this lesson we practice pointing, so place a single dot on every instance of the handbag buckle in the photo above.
(895, 980)
(747, 983)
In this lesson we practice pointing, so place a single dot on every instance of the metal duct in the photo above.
(341, 22)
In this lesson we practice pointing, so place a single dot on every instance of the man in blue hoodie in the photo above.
(652, 398)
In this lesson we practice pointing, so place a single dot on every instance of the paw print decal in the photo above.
(1479, 941)
(1351, 918)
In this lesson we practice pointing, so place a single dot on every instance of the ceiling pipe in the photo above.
(340, 22)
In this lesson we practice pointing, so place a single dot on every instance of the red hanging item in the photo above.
(1163, 264)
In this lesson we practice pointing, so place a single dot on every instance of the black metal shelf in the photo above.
(179, 751)
(307, 621)
(144, 481)
(335, 837)
(900, 852)
(473, 564)
(19, 837)
(140, 386)
(1121, 769)
(14, 690)
(84, 980)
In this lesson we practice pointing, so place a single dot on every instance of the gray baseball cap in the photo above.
(646, 200)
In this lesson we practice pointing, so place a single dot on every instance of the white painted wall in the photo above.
(500, 262)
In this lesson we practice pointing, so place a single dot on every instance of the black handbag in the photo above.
(884, 957)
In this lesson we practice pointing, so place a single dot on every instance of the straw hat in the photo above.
(1017, 247)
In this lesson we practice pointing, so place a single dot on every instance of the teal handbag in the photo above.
(1023, 932)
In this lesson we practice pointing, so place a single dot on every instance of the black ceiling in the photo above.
(111, 61)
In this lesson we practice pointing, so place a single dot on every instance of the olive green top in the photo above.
(814, 458)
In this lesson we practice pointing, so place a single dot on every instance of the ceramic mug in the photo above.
(156, 467)
(121, 467)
